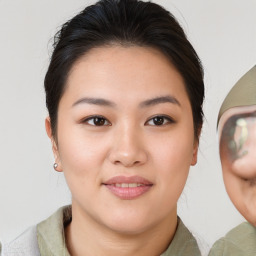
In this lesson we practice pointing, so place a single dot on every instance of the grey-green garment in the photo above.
(243, 93)
(51, 239)
(240, 241)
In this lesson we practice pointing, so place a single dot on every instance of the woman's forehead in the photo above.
(116, 70)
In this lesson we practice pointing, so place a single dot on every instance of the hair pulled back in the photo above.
(127, 23)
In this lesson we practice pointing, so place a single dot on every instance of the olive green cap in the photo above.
(243, 93)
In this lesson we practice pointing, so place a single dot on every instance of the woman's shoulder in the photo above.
(24, 245)
(183, 243)
(41, 237)
(239, 241)
(50, 232)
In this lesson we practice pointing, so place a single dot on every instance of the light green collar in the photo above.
(51, 239)
(50, 233)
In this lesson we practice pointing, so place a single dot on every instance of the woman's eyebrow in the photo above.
(158, 100)
(94, 101)
(146, 103)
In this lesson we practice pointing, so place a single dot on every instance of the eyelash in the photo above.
(164, 120)
(93, 119)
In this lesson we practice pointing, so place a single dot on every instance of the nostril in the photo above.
(127, 163)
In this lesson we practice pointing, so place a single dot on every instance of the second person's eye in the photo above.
(159, 120)
(97, 121)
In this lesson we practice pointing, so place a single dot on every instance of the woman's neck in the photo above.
(86, 237)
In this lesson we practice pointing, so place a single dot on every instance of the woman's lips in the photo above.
(128, 187)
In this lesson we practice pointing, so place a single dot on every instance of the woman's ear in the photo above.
(54, 144)
(196, 145)
(195, 151)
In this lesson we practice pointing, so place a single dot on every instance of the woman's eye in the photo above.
(159, 120)
(97, 121)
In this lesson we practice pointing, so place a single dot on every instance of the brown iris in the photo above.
(158, 120)
(99, 121)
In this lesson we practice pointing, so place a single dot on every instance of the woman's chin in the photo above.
(127, 225)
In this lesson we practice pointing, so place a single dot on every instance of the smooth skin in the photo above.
(240, 175)
(125, 112)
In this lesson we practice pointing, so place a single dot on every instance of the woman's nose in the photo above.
(128, 148)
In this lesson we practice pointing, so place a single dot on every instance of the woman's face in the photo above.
(125, 138)
(238, 158)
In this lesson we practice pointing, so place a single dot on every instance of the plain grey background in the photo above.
(222, 32)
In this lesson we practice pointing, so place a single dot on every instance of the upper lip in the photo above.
(128, 180)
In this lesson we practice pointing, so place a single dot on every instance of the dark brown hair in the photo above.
(123, 22)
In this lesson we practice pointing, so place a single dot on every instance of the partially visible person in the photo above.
(124, 91)
(237, 146)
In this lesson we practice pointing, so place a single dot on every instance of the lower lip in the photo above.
(128, 193)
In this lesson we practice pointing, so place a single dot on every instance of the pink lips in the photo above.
(128, 187)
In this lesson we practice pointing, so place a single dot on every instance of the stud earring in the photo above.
(55, 165)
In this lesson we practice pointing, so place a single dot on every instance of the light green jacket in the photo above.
(240, 241)
(48, 239)
(51, 240)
